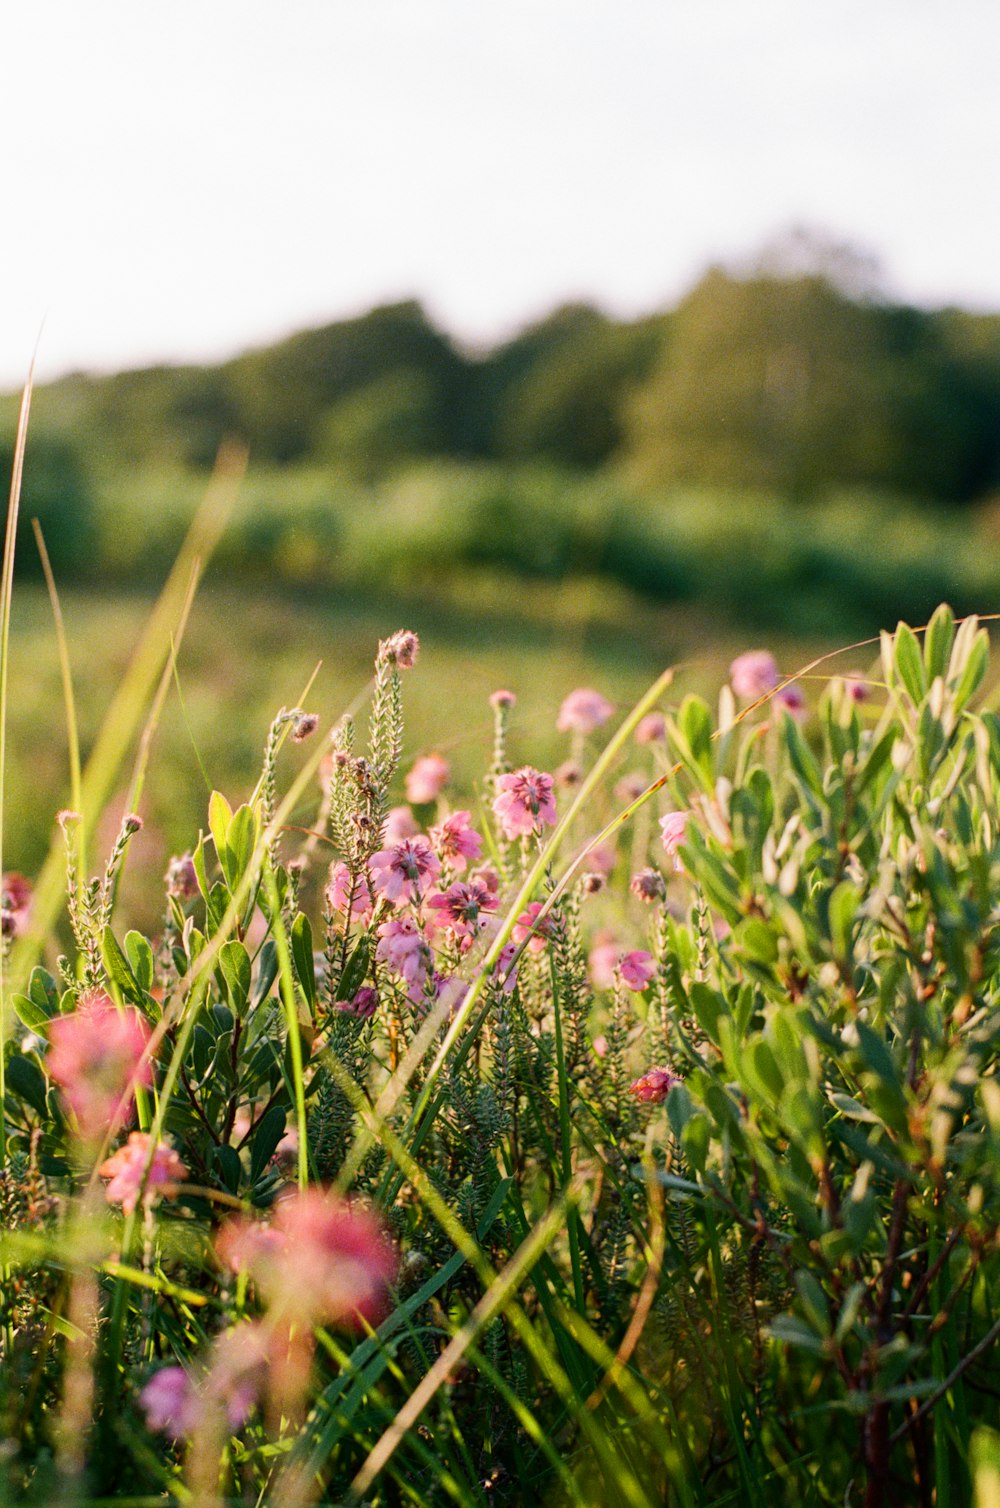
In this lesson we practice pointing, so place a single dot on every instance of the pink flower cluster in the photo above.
(654, 1086)
(525, 802)
(97, 1057)
(583, 711)
(399, 871)
(636, 968)
(126, 1167)
(427, 778)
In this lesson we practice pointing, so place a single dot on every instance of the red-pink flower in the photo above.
(793, 700)
(362, 1003)
(502, 699)
(15, 903)
(403, 947)
(525, 803)
(583, 711)
(540, 932)
(754, 674)
(464, 906)
(651, 729)
(96, 1057)
(857, 686)
(397, 872)
(170, 1402)
(427, 778)
(126, 1167)
(505, 969)
(654, 1086)
(327, 1261)
(649, 885)
(349, 895)
(601, 962)
(637, 969)
(672, 828)
(455, 842)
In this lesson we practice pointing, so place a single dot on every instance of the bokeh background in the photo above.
(583, 338)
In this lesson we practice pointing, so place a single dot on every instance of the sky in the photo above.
(183, 179)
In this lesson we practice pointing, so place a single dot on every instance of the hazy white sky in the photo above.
(183, 178)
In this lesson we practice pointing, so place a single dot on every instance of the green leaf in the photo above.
(43, 990)
(266, 1136)
(230, 1169)
(140, 956)
(27, 1082)
(909, 664)
(974, 670)
(694, 725)
(242, 839)
(118, 967)
(234, 961)
(32, 1015)
(198, 860)
(220, 814)
(267, 971)
(938, 640)
(353, 976)
(844, 903)
(302, 956)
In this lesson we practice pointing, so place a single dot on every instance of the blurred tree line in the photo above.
(792, 378)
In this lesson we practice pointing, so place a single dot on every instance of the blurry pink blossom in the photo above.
(651, 729)
(583, 711)
(649, 885)
(96, 1058)
(350, 896)
(403, 948)
(401, 648)
(125, 1169)
(400, 823)
(427, 778)
(15, 903)
(326, 1261)
(504, 968)
(397, 872)
(525, 803)
(793, 700)
(528, 925)
(601, 962)
(754, 674)
(630, 787)
(601, 858)
(502, 699)
(672, 828)
(600, 1045)
(654, 1086)
(170, 1402)
(455, 842)
(856, 686)
(637, 969)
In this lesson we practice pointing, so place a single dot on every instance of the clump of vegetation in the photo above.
(529, 1150)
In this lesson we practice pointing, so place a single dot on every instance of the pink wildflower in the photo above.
(362, 1004)
(654, 1086)
(540, 932)
(651, 729)
(793, 701)
(327, 1260)
(181, 879)
(583, 711)
(600, 1046)
(125, 1169)
(505, 970)
(672, 828)
(170, 1402)
(601, 962)
(601, 858)
(464, 905)
(525, 803)
(397, 872)
(568, 774)
(754, 674)
(427, 778)
(401, 648)
(630, 787)
(238, 1371)
(15, 903)
(857, 686)
(649, 885)
(502, 700)
(400, 823)
(403, 948)
(455, 842)
(304, 726)
(347, 895)
(96, 1058)
(637, 969)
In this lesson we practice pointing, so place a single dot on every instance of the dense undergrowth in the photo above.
(508, 1154)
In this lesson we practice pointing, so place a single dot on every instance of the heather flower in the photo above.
(397, 872)
(649, 885)
(754, 674)
(793, 701)
(15, 902)
(569, 774)
(602, 858)
(630, 787)
(600, 1045)
(529, 926)
(347, 893)
(502, 699)
(651, 729)
(505, 970)
(325, 1260)
(401, 648)
(400, 823)
(181, 878)
(455, 842)
(126, 1167)
(96, 1056)
(427, 778)
(654, 1086)
(463, 906)
(362, 1004)
(583, 711)
(637, 969)
(170, 1402)
(304, 726)
(856, 686)
(672, 828)
(525, 803)
(601, 963)
(403, 948)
